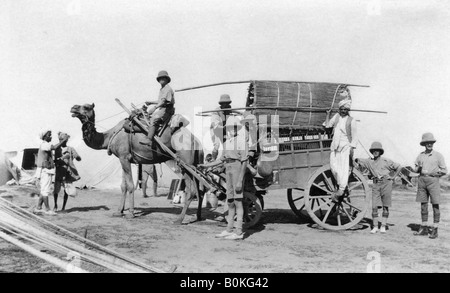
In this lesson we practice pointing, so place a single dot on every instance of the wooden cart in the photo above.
(294, 151)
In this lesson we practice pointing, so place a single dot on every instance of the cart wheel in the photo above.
(253, 207)
(252, 210)
(296, 199)
(351, 207)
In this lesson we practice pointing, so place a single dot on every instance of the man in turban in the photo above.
(66, 172)
(343, 144)
(46, 170)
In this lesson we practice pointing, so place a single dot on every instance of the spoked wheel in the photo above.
(296, 199)
(348, 211)
(253, 207)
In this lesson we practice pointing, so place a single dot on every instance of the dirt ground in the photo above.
(281, 243)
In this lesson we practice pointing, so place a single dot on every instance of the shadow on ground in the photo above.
(413, 227)
(86, 209)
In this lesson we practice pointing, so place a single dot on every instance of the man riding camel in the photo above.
(164, 108)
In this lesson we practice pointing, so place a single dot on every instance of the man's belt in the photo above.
(231, 160)
(427, 175)
(377, 180)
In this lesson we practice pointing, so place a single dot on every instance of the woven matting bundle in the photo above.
(296, 94)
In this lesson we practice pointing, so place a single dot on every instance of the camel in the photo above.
(133, 148)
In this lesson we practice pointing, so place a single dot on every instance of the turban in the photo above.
(62, 135)
(43, 133)
(346, 103)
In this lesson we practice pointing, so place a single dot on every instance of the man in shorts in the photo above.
(164, 108)
(380, 169)
(430, 165)
(235, 158)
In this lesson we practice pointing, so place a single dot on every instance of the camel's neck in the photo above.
(98, 140)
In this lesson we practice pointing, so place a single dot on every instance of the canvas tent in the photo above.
(97, 169)
(8, 170)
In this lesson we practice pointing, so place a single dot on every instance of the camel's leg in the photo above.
(154, 176)
(188, 200)
(145, 177)
(144, 184)
(192, 188)
(123, 187)
(129, 185)
(201, 194)
(180, 219)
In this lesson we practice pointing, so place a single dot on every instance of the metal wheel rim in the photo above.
(296, 200)
(345, 209)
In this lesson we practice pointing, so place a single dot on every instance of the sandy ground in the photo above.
(280, 243)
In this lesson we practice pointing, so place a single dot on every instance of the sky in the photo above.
(55, 54)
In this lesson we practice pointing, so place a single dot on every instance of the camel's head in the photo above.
(85, 112)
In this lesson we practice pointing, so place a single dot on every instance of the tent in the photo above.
(97, 169)
(8, 170)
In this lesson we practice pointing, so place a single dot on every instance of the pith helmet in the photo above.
(163, 73)
(63, 135)
(224, 99)
(233, 121)
(376, 146)
(427, 137)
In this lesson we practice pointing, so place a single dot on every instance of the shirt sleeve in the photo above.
(74, 153)
(353, 127)
(243, 153)
(417, 163)
(46, 146)
(331, 122)
(442, 166)
(393, 166)
(364, 162)
(166, 95)
(215, 121)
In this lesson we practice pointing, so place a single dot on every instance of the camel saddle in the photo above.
(175, 122)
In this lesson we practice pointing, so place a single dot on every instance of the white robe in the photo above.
(340, 149)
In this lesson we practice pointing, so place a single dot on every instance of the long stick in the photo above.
(51, 259)
(40, 236)
(247, 81)
(367, 152)
(86, 241)
(289, 109)
(143, 114)
(214, 84)
(28, 229)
